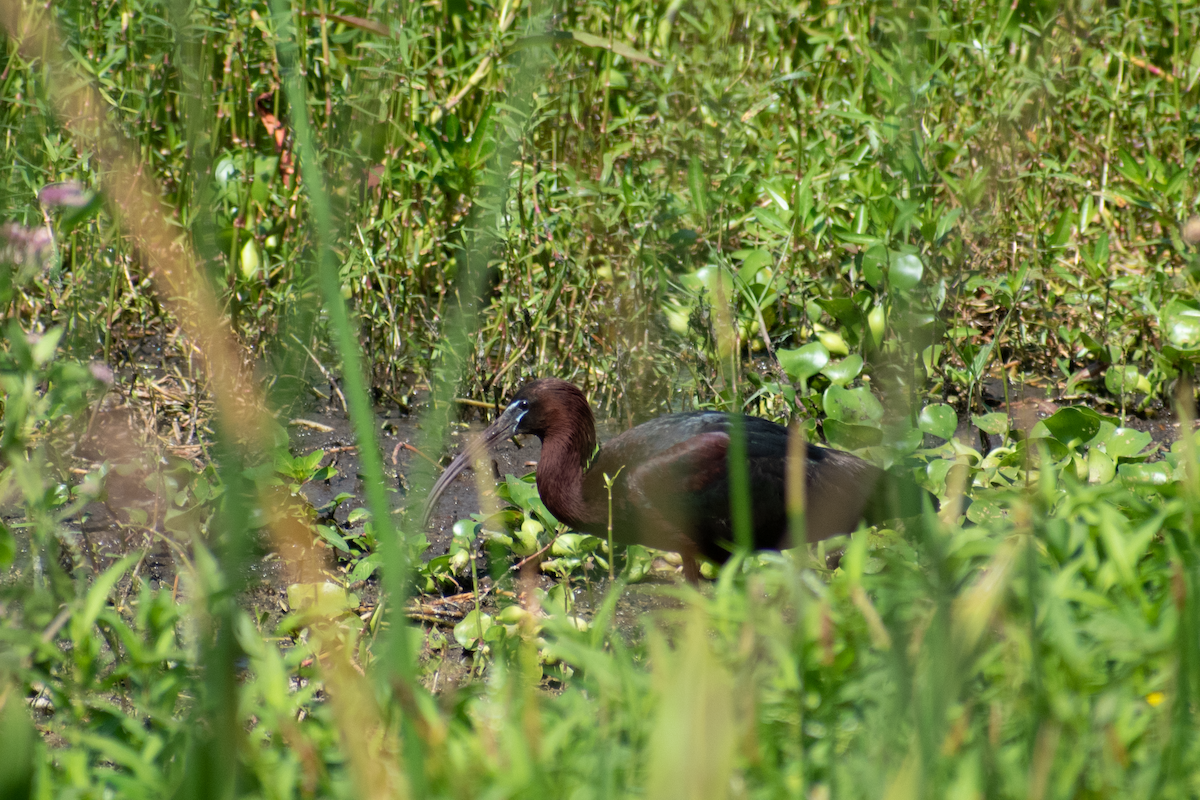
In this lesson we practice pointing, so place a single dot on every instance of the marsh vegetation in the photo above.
(264, 264)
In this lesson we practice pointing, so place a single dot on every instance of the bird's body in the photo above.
(670, 476)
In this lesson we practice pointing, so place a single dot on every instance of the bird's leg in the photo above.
(691, 568)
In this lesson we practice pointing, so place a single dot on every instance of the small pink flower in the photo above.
(67, 193)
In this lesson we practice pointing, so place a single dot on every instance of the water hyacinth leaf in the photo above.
(848, 436)
(322, 599)
(464, 531)
(1072, 426)
(704, 282)
(936, 472)
(995, 423)
(525, 538)
(985, 509)
(473, 630)
(1156, 474)
(803, 362)
(1121, 380)
(844, 311)
(1029, 452)
(524, 494)
(1180, 321)
(573, 545)
(938, 419)
(842, 372)
(1101, 468)
(1126, 442)
(906, 440)
(854, 406)
(638, 564)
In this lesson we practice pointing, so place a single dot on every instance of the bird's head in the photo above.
(545, 407)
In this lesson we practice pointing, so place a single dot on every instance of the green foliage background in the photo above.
(802, 209)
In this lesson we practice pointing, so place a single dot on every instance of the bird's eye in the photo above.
(522, 404)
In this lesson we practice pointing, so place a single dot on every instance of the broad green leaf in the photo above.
(1180, 322)
(473, 629)
(905, 440)
(1072, 426)
(936, 471)
(1126, 442)
(803, 362)
(704, 281)
(482, 136)
(1118, 380)
(323, 599)
(874, 264)
(848, 436)
(1156, 474)
(1101, 468)
(843, 310)
(365, 568)
(939, 420)
(985, 509)
(844, 371)
(573, 545)
(906, 271)
(855, 406)
(23, 750)
(995, 423)
(1062, 232)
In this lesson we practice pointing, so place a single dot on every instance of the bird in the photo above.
(670, 477)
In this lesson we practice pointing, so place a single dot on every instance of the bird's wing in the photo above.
(666, 493)
(838, 486)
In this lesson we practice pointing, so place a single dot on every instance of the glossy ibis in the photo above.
(672, 484)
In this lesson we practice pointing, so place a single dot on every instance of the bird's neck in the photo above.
(564, 460)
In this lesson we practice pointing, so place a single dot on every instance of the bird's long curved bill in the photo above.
(503, 428)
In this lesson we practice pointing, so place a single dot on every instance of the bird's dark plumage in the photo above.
(671, 487)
